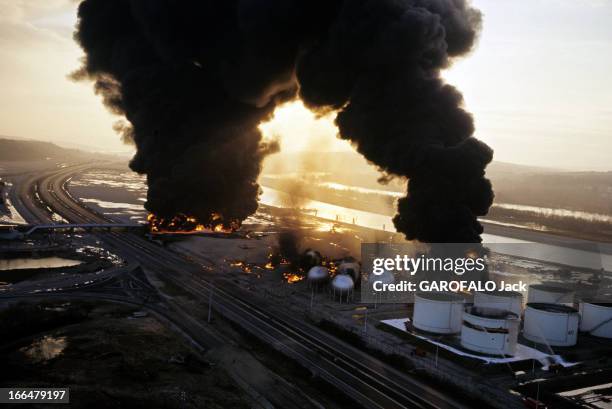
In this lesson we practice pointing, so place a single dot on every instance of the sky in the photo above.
(538, 84)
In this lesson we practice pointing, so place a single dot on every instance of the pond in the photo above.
(31, 263)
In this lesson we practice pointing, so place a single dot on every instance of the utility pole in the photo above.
(210, 302)
(311, 296)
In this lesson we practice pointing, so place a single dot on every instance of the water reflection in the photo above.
(114, 205)
(593, 258)
(548, 212)
(45, 262)
(129, 181)
(276, 198)
(343, 187)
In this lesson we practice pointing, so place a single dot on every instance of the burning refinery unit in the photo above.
(332, 276)
(183, 224)
(312, 269)
(311, 273)
(194, 98)
(265, 255)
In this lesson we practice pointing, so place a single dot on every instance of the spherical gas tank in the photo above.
(342, 284)
(318, 274)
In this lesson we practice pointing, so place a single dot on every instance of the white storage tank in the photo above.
(438, 312)
(551, 324)
(490, 331)
(342, 284)
(318, 275)
(550, 294)
(503, 300)
(596, 318)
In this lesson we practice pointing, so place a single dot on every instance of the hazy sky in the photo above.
(539, 83)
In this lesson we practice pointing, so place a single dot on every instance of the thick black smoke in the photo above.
(195, 78)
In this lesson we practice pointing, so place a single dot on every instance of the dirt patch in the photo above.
(111, 359)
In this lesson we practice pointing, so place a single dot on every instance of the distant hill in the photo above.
(585, 191)
(500, 168)
(354, 162)
(512, 183)
(27, 150)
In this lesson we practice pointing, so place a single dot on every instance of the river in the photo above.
(566, 251)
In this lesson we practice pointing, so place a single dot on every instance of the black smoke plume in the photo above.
(194, 79)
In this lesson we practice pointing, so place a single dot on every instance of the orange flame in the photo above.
(184, 224)
(292, 277)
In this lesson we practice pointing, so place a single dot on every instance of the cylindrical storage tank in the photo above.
(490, 331)
(342, 284)
(551, 324)
(596, 318)
(550, 294)
(318, 274)
(502, 300)
(438, 312)
(350, 268)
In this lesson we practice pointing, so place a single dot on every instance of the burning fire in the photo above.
(331, 265)
(292, 277)
(182, 223)
(275, 259)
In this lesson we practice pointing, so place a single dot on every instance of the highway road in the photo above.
(368, 381)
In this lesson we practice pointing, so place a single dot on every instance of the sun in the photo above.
(300, 130)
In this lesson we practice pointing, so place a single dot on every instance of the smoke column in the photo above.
(195, 78)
